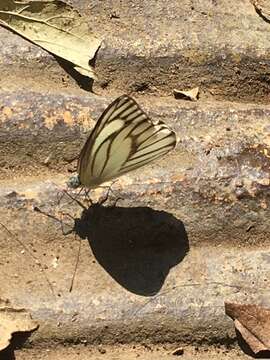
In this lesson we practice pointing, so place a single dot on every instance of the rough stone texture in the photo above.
(191, 230)
(136, 280)
(217, 180)
(128, 352)
(155, 46)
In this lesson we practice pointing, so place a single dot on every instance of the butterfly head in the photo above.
(74, 181)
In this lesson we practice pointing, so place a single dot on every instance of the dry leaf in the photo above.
(263, 8)
(187, 94)
(54, 26)
(13, 321)
(253, 323)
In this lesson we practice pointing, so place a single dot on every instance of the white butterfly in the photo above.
(123, 139)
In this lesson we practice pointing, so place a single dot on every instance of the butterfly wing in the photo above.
(123, 139)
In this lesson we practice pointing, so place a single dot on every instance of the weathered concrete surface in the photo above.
(217, 180)
(155, 46)
(137, 279)
(129, 352)
(192, 230)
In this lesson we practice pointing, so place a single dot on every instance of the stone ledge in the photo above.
(160, 50)
(159, 292)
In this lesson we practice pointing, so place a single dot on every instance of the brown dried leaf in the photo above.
(187, 94)
(253, 323)
(54, 26)
(13, 321)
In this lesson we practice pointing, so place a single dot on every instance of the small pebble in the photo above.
(102, 350)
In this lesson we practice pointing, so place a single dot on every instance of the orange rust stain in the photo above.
(264, 181)
(266, 153)
(30, 194)
(263, 204)
(50, 122)
(179, 177)
(67, 117)
(7, 112)
(266, 140)
(86, 121)
(24, 126)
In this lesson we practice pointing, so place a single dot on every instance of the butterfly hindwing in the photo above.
(123, 139)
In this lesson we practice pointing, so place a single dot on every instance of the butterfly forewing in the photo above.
(123, 139)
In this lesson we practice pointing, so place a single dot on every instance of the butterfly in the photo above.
(123, 139)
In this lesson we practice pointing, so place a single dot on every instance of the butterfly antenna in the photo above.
(76, 265)
(29, 252)
(37, 209)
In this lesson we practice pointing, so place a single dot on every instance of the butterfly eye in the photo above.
(74, 182)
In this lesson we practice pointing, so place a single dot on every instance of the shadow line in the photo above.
(83, 81)
(17, 342)
(264, 354)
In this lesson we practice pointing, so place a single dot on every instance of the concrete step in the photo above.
(190, 230)
(156, 46)
(217, 181)
(131, 352)
(139, 275)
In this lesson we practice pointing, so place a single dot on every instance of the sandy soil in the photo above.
(81, 352)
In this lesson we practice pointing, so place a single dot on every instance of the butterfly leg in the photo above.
(109, 190)
(67, 232)
(116, 201)
(106, 197)
(86, 194)
(76, 200)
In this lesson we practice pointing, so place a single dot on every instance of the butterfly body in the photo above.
(123, 139)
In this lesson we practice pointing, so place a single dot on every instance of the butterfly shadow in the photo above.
(136, 246)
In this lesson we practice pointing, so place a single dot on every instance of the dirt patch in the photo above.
(147, 352)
